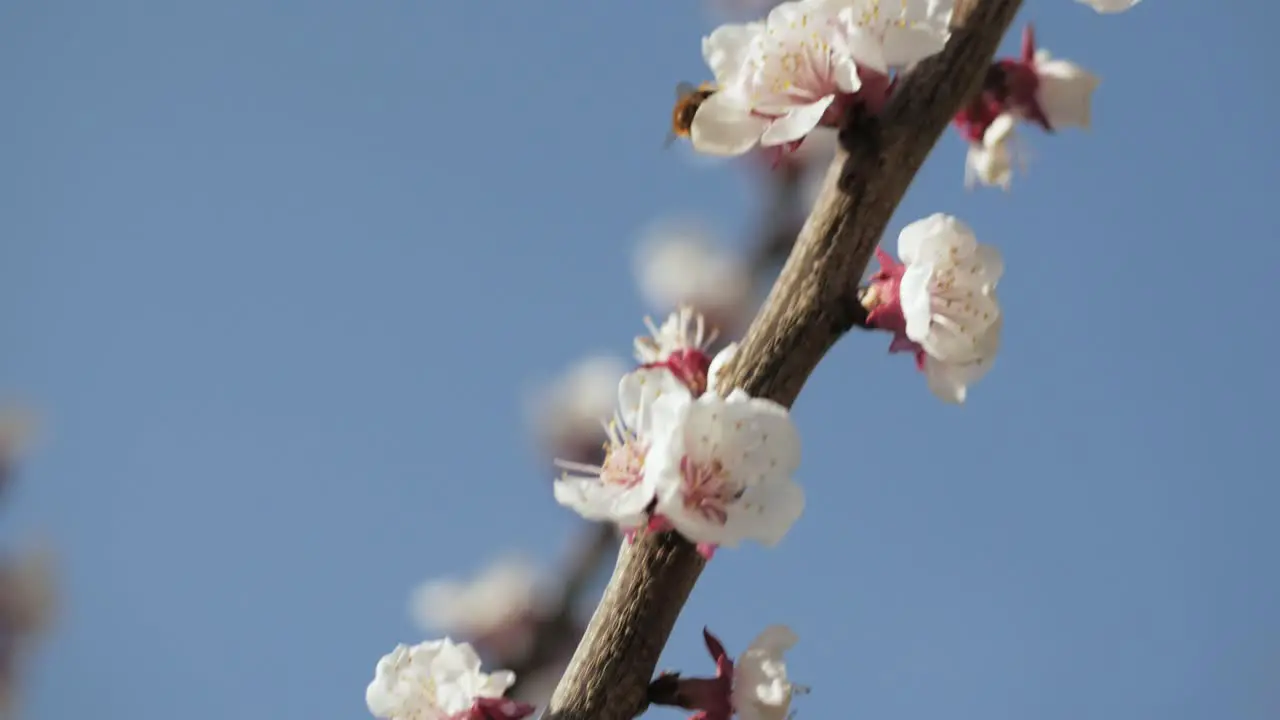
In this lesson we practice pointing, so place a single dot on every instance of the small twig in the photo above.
(808, 309)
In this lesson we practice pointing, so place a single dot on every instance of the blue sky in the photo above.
(277, 277)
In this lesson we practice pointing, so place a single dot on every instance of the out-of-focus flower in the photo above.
(755, 688)
(940, 303)
(991, 160)
(678, 264)
(1107, 7)
(440, 680)
(1054, 94)
(497, 611)
(27, 603)
(537, 687)
(16, 430)
(722, 469)
(804, 64)
(569, 413)
(1034, 87)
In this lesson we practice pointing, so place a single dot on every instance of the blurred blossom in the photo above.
(16, 430)
(814, 157)
(679, 263)
(497, 611)
(537, 687)
(755, 687)
(440, 680)
(26, 607)
(569, 414)
(991, 161)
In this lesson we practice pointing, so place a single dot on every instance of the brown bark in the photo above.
(812, 304)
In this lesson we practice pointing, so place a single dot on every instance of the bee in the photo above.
(688, 100)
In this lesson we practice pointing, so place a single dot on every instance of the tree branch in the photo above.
(811, 305)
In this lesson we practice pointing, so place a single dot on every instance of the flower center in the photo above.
(690, 366)
(708, 489)
(624, 463)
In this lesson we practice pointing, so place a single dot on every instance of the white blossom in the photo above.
(761, 690)
(777, 79)
(991, 161)
(568, 412)
(494, 604)
(721, 359)
(722, 468)
(948, 299)
(677, 263)
(1107, 7)
(1065, 91)
(620, 490)
(434, 680)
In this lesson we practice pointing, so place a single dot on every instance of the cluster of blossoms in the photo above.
(440, 680)
(681, 457)
(810, 61)
(717, 469)
(498, 610)
(939, 302)
(805, 65)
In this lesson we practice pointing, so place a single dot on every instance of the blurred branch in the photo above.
(810, 307)
(558, 631)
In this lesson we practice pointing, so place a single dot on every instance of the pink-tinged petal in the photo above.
(499, 708)
(725, 126)
(706, 550)
(902, 344)
(714, 647)
(1029, 44)
(797, 123)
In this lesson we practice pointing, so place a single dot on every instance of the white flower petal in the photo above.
(867, 49)
(950, 381)
(769, 512)
(726, 49)
(725, 126)
(1107, 7)
(915, 299)
(948, 301)
(600, 502)
(991, 162)
(934, 239)
(722, 469)
(1066, 92)
(904, 46)
(761, 688)
(717, 365)
(774, 640)
(637, 392)
(433, 679)
(797, 123)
